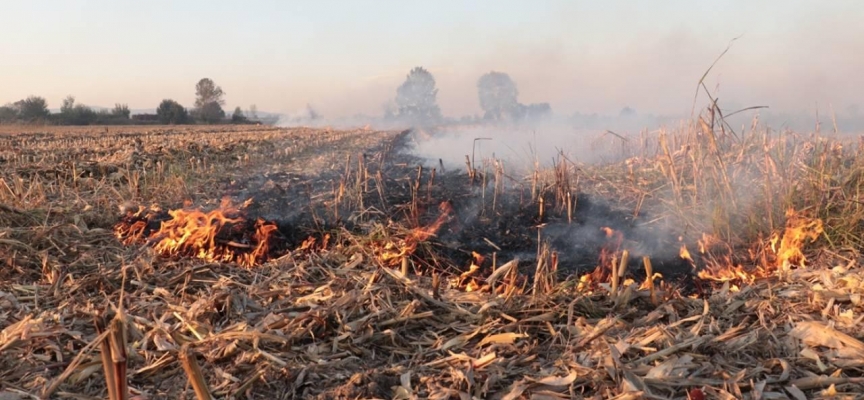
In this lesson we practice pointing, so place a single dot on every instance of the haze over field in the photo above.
(347, 58)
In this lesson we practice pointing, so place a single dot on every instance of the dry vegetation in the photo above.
(375, 305)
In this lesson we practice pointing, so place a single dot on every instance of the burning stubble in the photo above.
(397, 253)
(224, 234)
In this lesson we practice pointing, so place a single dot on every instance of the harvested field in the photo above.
(270, 263)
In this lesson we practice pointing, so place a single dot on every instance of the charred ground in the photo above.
(389, 185)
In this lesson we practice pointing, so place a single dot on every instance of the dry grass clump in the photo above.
(89, 317)
(739, 184)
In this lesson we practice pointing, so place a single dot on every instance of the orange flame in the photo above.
(733, 273)
(684, 253)
(608, 258)
(220, 235)
(798, 230)
(408, 245)
(790, 252)
(421, 234)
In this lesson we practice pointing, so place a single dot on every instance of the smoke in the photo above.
(656, 72)
(524, 146)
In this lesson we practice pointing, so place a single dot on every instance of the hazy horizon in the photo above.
(347, 58)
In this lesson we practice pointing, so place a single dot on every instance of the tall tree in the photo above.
(206, 91)
(209, 101)
(498, 95)
(416, 97)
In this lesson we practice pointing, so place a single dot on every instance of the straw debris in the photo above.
(331, 318)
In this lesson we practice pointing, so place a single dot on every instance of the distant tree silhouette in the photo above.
(210, 113)
(238, 116)
(416, 98)
(499, 97)
(8, 113)
(75, 114)
(121, 111)
(627, 112)
(32, 108)
(536, 111)
(206, 91)
(171, 112)
(208, 101)
(68, 105)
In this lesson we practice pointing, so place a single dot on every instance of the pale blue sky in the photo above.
(347, 57)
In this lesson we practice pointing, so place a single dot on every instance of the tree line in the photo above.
(415, 103)
(416, 100)
(209, 99)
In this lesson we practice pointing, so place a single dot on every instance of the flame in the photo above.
(220, 235)
(478, 258)
(798, 229)
(684, 253)
(733, 273)
(608, 257)
(789, 252)
(707, 241)
(421, 234)
(393, 252)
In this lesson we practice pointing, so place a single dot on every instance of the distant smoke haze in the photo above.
(348, 60)
(656, 77)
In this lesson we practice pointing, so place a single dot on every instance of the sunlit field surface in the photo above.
(262, 262)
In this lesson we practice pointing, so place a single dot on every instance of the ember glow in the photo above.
(220, 235)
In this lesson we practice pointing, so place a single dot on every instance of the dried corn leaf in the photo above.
(817, 334)
(501, 338)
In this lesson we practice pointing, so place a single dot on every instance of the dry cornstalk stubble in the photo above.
(404, 297)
